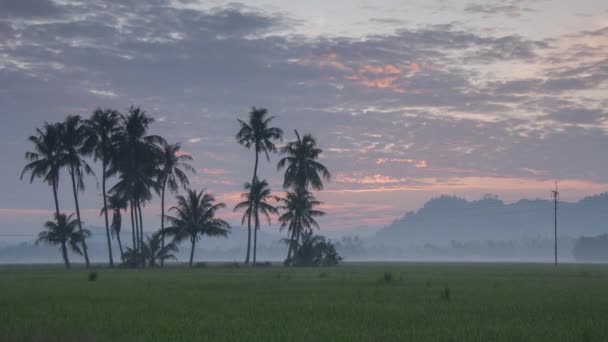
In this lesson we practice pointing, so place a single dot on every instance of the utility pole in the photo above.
(555, 195)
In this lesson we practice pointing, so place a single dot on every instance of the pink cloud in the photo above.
(421, 164)
(208, 171)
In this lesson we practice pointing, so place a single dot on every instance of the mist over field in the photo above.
(446, 228)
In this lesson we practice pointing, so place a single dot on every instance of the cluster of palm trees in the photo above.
(144, 164)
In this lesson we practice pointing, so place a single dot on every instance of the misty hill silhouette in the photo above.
(449, 218)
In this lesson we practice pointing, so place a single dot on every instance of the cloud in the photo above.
(510, 8)
(579, 115)
(29, 9)
(103, 93)
(420, 109)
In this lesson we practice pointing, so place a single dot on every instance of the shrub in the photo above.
(315, 250)
(92, 276)
(388, 277)
(445, 293)
(200, 265)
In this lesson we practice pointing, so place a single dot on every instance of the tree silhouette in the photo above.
(136, 155)
(301, 166)
(45, 161)
(256, 201)
(299, 216)
(257, 134)
(151, 251)
(73, 135)
(63, 232)
(302, 170)
(195, 217)
(100, 130)
(315, 250)
(173, 164)
(116, 203)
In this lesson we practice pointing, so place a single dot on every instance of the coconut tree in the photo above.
(134, 159)
(194, 217)
(153, 251)
(256, 200)
(73, 135)
(301, 166)
(316, 250)
(116, 203)
(100, 129)
(257, 134)
(172, 171)
(302, 171)
(45, 160)
(299, 216)
(63, 231)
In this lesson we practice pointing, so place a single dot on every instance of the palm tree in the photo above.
(302, 167)
(101, 128)
(256, 202)
(116, 203)
(299, 216)
(172, 161)
(45, 161)
(152, 249)
(62, 231)
(73, 134)
(258, 134)
(136, 155)
(301, 171)
(316, 250)
(194, 218)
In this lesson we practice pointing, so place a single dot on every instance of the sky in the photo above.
(408, 100)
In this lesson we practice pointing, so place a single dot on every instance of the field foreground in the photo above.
(364, 302)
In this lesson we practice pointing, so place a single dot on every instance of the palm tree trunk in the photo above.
(162, 222)
(137, 246)
(289, 252)
(55, 197)
(122, 258)
(255, 174)
(64, 253)
(248, 239)
(141, 233)
(133, 228)
(105, 206)
(255, 237)
(192, 251)
(84, 243)
(296, 241)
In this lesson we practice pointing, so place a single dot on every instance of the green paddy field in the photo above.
(352, 302)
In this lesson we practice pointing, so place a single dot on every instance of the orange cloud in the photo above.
(421, 164)
(373, 179)
(387, 69)
(329, 60)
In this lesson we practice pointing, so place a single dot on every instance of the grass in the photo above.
(420, 302)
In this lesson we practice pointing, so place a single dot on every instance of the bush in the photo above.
(200, 265)
(315, 250)
(92, 276)
(388, 277)
(445, 293)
